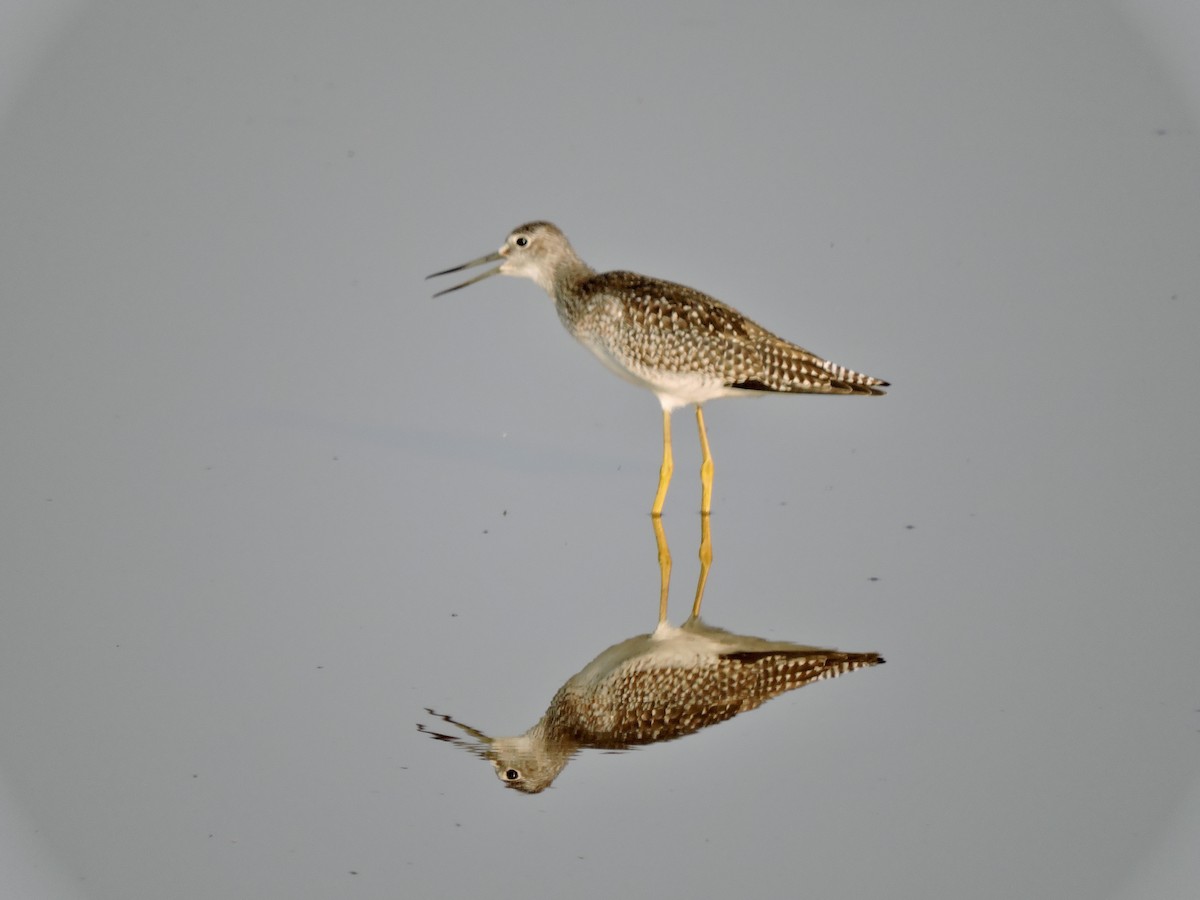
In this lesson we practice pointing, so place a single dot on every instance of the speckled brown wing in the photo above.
(654, 325)
(644, 706)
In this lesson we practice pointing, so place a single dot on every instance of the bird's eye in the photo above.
(522, 241)
(511, 774)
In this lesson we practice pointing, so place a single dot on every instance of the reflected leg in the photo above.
(705, 562)
(664, 566)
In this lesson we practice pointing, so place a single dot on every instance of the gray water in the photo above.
(265, 501)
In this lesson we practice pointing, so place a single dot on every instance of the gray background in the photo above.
(264, 499)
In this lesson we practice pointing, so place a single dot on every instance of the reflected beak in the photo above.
(482, 749)
(491, 257)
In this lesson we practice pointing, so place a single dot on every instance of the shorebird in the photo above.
(684, 346)
(650, 688)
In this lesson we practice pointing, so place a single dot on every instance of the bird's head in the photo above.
(535, 250)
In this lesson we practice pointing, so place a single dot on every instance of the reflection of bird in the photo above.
(681, 344)
(655, 687)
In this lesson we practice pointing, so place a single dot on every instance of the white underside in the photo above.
(667, 646)
(672, 390)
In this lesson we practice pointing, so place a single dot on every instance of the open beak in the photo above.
(480, 747)
(491, 257)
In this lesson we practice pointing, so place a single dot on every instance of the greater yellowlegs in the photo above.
(685, 346)
(650, 688)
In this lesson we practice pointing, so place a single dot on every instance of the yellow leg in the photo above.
(668, 466)
(705, 562)
(706, 467)
(664, 566)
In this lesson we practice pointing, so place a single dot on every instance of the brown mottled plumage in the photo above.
(657, 331)
(683, 345)
(656, 687)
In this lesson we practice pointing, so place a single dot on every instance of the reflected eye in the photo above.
(511, 774)
(521, 242)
